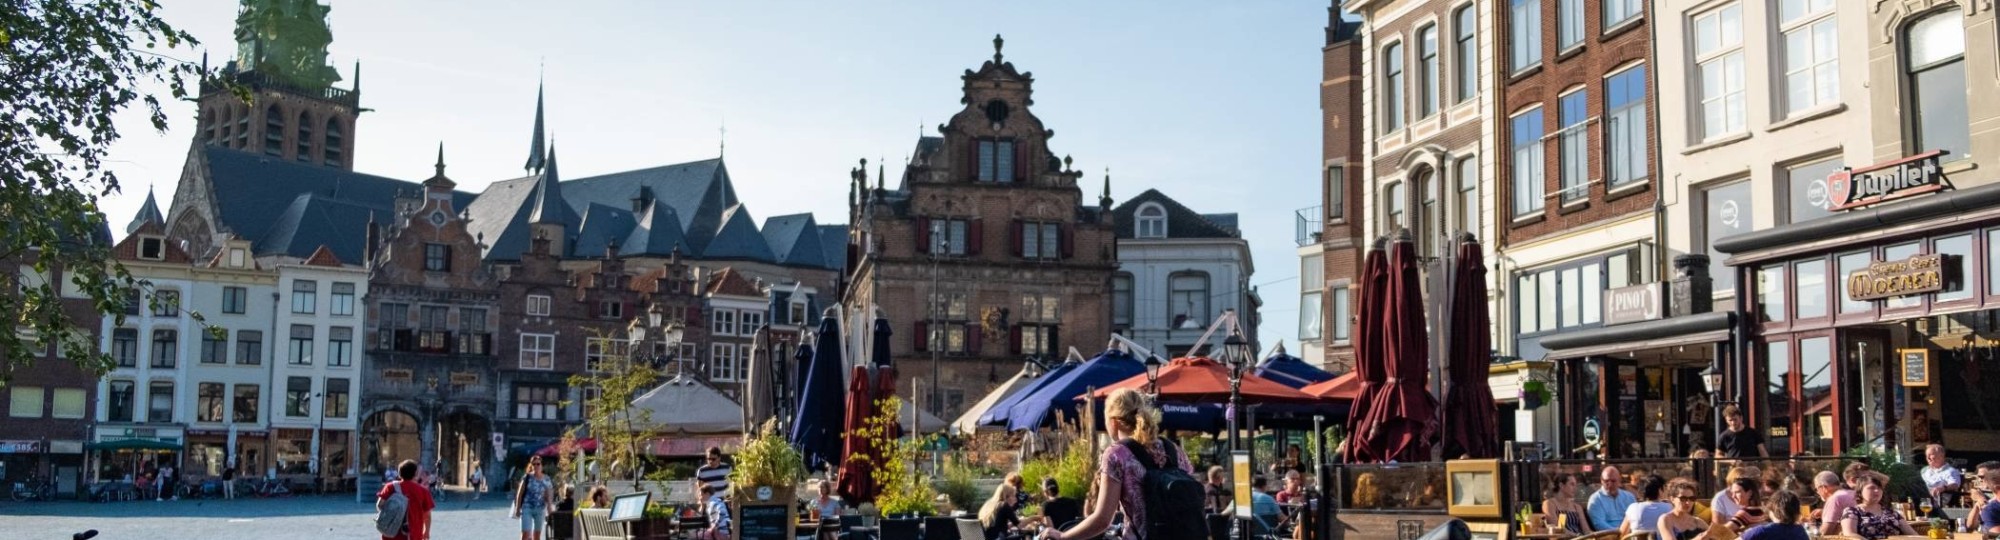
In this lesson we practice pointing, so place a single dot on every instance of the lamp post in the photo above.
(1236, 352)
(1713, 378)
(1153, 365)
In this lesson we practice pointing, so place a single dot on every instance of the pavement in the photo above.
(305, 517)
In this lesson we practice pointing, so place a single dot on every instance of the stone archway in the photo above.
(388, 437)
(462, 444)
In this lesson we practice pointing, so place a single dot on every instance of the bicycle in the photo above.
(36, 489)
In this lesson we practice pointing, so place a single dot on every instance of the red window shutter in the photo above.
(923, 235)
(973, 233)
(972, 161)
(1020, 161)
(694, 315)
(972, 341)
(923, 337)
(1014, 236)
(1014, 339)
(1067, 241)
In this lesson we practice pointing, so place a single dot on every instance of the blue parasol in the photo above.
(1058, 396)
(997, 415)
(817, 430)
(1290, 371)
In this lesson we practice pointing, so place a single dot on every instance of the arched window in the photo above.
(274, 131)
(334, 143)
(242, 139)
(1935, 64)
(1151, 222)
(210, 130)
(303, 147)
(1394, 208)
(1466, 170)
(1187, 299)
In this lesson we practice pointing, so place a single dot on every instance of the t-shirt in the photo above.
(1936, 477)
(534, 494)
(1776, 531)
(1606, 510)
(1836, 506)
(1989, 515)
(417, 521)
(1123, 468)
(718, 514)
(1645, 516)
(1738, 444)
(1062, 510)
(1725, 506)
(716, 477)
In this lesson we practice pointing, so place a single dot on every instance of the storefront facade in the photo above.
(1863, 327)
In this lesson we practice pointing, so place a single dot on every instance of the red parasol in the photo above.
(1401, 415)
(865, 389)
(1347, 386)
(1471, 429)
(1368, 359)
(1201, 380)
(587, 445)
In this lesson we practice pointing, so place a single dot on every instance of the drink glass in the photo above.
(1562, 521)
(1926, 507)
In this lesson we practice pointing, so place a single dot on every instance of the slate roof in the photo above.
(499, 217)
(833, 240)
(658, 232)
(1181, 222)
(698, 192)
(253, 190)
(738, 238)
(600, 227)
(794, 240)
(149, 211)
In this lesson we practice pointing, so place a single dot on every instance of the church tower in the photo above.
(294, 112)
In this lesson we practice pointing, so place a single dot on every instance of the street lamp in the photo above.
(1236, 352)
(1153, 365)
(1714, 378)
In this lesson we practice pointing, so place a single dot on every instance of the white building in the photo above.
(192, 361)
(1177, 269)
(314, 375)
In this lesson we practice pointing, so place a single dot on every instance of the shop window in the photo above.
(1896, 253)
(305, 296)
(298, 397)
(246, 403)
(1816, 397)
(1809, 285)
(160, 402)
(121, 401)
(1770, 293)
(68, 403)
(1957, 252)
(1850, 263)
(1935, 65)
(1777, 404)
(1725, 212)
(249, 347)
(208, 402)
(1806, 193)
(25, 402)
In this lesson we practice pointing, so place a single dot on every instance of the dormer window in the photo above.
(152, 248)
(996, 160)
(1151, 222)
(237, 257)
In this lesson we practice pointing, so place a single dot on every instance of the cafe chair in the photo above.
(969, 529)
(1218, 526)
(942, 528)
(848, 525)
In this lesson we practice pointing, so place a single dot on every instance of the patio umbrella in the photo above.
(997, 415)
(685, 404)
(865, 389)
(969, 421)
(1347, 387)
(1201, 380)
(759, 394)
(1400, 420)
(1472, 429)
(1290, 370)
(879, 349)
(586, 445)
(1368, 360)
(801, 366)
(1057, 398)
(816, 431)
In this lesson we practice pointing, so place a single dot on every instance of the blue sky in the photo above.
(1213, 103)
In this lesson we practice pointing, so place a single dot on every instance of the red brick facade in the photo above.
(1342, 238)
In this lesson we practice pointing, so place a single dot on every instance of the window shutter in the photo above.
(973, 234)
(1014, 339)
(694, 315)
(1067, 241)
(1020, 161)
(972, 161)
(923, 336)
(1055, 339)
(1014, 236)
(972, 338)
(923, 235)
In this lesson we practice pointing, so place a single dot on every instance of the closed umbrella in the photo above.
(801, 367)
(1402, 411)
(758, 391)
(879, 348)
(1368, 360)
(1290, 370)
(817, 430)
(1058, 397)
(857, 476)
(1472, 429)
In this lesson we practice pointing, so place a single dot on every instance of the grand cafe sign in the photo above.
(1915, 275)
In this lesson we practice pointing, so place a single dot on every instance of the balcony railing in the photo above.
(1308, 221)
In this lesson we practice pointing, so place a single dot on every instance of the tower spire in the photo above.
(148, 212)
(1104, 200)
(549, 203)
(536, 156)
(440, 163)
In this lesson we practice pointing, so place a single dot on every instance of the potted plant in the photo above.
(906, 496)
(768, 468)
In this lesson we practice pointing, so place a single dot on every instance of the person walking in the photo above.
(478, 481)
(417, 514)
(167, 483)
(1738, 441)
(532, 500)
(714, 472)
(1136, 423)
(1607, 505)
(229, 480)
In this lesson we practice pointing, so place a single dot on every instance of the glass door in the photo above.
(1863, 378)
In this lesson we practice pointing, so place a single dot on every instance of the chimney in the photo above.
(1693, 289)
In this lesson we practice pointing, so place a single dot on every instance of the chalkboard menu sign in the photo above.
(764, 522)
(1916, 366)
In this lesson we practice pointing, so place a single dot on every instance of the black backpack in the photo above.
(1173, 497)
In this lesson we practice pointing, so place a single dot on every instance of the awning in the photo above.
(135, 444)
(1697, 329)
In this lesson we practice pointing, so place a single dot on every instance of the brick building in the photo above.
(985, 252)
(47, 402)
(1330, 239)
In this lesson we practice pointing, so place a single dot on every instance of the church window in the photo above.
(242, 128)
(274, 131)
(333, 142)
(303, 147)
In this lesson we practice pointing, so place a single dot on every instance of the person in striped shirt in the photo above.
(714, 473)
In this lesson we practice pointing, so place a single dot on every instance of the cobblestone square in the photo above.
(314, 517)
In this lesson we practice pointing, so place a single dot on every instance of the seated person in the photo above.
(1057, 510)
(1607, 505)
(1989, 513)
(1294, 491)
(1264, 507)
(718, 514)
(1219, 497)
(999, 516)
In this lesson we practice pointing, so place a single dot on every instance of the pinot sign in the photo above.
(1910, 176)
(1632, 304)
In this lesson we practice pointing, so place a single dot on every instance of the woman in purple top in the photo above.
(1130, 416)
(1871, 518)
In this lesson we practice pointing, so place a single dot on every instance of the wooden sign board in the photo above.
(1916, 366)
(764, 522)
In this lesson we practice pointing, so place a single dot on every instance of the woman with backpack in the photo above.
(1140, 472)
(532, 500)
